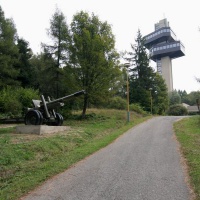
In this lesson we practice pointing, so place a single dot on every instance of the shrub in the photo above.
(13, 108)
(177, 110)
(117, 103)
(137, 108)
(25, 96)
(14, 101)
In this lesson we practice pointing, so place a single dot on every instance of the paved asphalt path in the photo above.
(142, 164)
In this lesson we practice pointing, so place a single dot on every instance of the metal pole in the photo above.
(127, 88)
(151, 99)
(128, 111)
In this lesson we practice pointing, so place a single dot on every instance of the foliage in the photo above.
(183, 94)
(14, 101)
(193, 96)
(117, 103)
(145, 84)
(137, 108)
(25, 96)
(73, 105)
(121, 84)
(58, 52)
(25, 76)
(120, 103)
(44, 72)
(189, 98)
(177, 110)
(93, 60)
(159, 95)
(8, 52)
(174, 98)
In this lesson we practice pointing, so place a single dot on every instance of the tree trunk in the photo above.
(85, 105)
(57, 88)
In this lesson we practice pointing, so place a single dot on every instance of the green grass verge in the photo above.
(26, 161)
(188, 134)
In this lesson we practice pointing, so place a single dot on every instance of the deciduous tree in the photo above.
(94, 60)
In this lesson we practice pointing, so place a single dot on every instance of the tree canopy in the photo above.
(8, 52)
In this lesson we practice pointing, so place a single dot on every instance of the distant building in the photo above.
(164, 46)
(191, 109)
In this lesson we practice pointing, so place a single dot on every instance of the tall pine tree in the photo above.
(145, 84)
(58, 50)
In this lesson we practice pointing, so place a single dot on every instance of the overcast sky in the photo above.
(32, 18)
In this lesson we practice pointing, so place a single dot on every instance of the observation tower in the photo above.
(163, 46)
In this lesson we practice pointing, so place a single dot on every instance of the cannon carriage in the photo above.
(44, 112)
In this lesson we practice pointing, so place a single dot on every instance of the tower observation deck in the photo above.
(163, 46)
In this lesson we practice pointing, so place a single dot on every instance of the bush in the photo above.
(25, 96)
(177, 110)
(15, 101)
(117, 103)
(120, 103)
(13, 108)
(137, 108)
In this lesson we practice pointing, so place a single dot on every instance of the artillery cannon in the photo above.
(44, 111)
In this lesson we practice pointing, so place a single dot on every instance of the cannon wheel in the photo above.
(33, 117)
(58, 119)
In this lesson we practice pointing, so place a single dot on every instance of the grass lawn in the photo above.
(27, 160)
(188, 134)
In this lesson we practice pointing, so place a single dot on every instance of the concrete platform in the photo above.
(40, 129)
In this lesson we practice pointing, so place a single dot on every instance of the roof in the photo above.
(192, 109)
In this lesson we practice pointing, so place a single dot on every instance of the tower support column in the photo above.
(166, 67)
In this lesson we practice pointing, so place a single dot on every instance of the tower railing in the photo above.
(165, 46)
(161, 32)
(173, 50)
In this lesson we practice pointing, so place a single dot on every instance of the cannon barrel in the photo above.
(65, 97)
